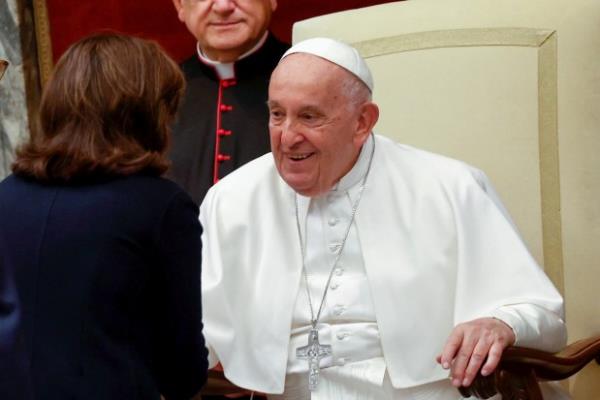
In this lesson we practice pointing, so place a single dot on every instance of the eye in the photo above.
(311, 118)
(276, 114)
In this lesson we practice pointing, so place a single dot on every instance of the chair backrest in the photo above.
(511, 87)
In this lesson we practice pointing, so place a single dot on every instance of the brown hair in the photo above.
(105, 112)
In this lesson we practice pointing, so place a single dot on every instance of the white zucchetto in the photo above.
(336, 52)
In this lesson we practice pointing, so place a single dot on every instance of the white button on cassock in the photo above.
(338, 310)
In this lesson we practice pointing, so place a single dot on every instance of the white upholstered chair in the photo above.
(512, 87)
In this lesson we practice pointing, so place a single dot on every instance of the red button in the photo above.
(223, 157)
(223, 132)
(229, 82)
(225, 107)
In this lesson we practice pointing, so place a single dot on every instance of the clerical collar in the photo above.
(348, 184)
(227, 70)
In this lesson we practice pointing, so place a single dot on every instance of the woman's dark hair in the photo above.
(105, 112)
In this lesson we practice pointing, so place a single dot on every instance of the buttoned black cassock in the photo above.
(222, 124)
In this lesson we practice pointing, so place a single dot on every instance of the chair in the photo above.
(520, 370)
(515, 378)
(511, 87)
(507, 86)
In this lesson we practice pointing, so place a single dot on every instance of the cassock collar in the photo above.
(227, 70)
(350, 183)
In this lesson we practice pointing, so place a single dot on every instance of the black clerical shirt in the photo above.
(222, 124)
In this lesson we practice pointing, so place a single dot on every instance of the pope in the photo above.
(345, 265)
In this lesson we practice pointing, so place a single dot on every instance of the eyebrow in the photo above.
(312, 109)
(308, 108)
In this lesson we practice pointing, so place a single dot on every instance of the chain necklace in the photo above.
(313, 352)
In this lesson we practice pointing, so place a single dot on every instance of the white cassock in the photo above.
(431, 246)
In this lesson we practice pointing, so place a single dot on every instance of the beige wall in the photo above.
(512, 87)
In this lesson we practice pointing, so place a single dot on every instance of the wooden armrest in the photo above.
(521, 368)
(218, 385)
(515, 378)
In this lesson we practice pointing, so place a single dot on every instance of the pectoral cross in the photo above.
(313, 352)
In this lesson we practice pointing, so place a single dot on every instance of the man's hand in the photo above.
(471, 344)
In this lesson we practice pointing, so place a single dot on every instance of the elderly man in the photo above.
(344, 265)
(222, 123)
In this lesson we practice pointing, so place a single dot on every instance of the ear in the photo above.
(369, 114)
(180, 9)
(273, 5)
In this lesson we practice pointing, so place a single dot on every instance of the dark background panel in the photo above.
(156, 19)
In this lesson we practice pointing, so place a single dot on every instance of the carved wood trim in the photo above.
(520, 369)
(44, 42)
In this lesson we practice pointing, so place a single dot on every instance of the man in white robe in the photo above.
(403, 262)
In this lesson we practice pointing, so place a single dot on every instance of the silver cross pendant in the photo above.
(313, 352)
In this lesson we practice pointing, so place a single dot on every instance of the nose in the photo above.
(290, 135)
(223, 5)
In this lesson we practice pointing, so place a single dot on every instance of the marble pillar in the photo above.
(16, 91)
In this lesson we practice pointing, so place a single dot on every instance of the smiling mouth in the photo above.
(300, 157)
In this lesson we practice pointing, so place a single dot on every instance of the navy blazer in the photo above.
(103, 295)
(14, 377)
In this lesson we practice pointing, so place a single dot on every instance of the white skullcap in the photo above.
(336, 52)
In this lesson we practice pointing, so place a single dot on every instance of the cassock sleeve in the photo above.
(213, 295)
(182, 356)
(534, 326)
(497, 276)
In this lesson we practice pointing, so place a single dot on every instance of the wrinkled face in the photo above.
(316, 131)
(226, 29)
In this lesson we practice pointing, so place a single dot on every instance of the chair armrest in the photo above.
(218, 385)
(520, 369)
(516, 377)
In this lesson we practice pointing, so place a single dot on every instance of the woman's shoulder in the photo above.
(136, 194)
(150, 189)
(14, 186)
(151, 182)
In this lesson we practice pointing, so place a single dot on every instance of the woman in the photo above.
(105, 253)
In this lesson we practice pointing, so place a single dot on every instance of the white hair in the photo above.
(355, 91)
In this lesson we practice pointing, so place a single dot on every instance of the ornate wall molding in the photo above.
(44, 42)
